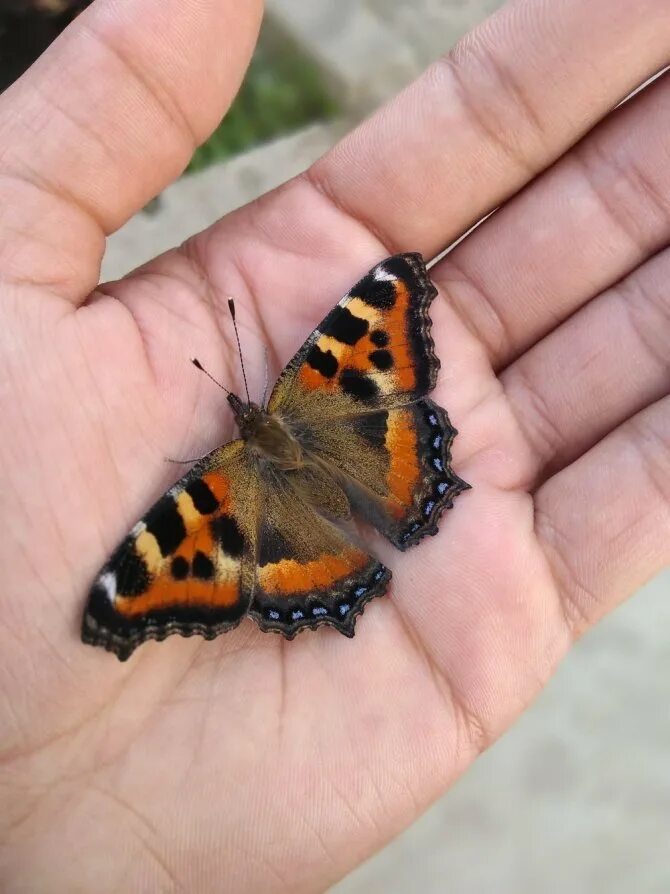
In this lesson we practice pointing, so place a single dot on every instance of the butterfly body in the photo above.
(263, 525)
(267, 435)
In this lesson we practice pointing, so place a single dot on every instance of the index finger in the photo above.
(481, 122)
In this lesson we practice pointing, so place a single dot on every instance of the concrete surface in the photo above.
(576, 797)
(360, 56)
(431, 27)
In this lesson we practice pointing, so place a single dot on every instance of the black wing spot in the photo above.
(166, 524)
(344, 326)
(373, 427)
(132, 574)
(179, 568)
(228, 535)
(273, 547)
(381, 359)
(203, 498)
(378, 293)
(399, 267)
(203, 567)
(324, 362)
(380, 338)
(357, 384)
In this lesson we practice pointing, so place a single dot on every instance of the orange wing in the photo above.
(411, 447)
(374, 348)
(309, 571)
(188, 566)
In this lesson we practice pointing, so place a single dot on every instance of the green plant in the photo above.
(282, 91)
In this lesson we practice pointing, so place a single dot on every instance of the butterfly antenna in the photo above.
(231, 308)
(198, 365)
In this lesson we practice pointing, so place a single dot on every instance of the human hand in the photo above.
(250, 763)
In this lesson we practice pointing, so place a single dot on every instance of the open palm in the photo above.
(250, 763)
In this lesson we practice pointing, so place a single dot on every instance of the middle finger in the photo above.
(596, 215)
(601, 367)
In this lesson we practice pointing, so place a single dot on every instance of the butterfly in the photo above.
(261, 527)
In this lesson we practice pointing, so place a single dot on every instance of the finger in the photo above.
(595, 371)
(604, 521)
(104, 120)
(597, 214)
(503, 105)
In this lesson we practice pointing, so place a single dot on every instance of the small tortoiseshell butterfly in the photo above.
(258, 527)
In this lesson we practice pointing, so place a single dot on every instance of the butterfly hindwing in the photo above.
(188, 566)
(310, 572)
(412, 446)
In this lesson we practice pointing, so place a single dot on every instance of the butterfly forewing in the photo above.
(373, 349)
(188, 566)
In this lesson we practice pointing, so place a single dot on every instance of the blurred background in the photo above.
(576, 797)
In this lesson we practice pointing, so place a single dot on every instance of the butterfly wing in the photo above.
(394, 465)
(188, 566)
(355, 395)
(309, 571)
(373, 349)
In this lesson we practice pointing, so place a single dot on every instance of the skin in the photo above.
(250, 764)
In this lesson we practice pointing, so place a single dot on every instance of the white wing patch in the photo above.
(108, 582)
